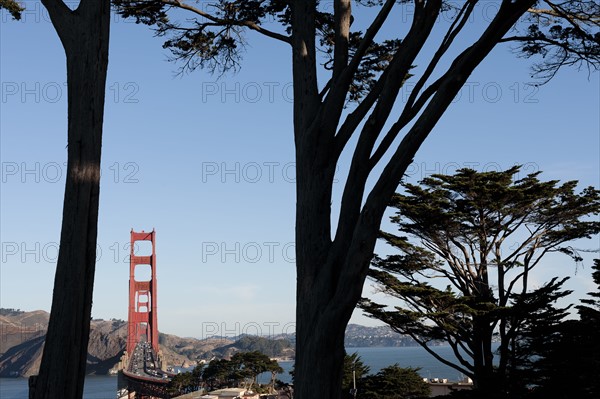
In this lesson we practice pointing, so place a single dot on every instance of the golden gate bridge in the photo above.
(142, 371)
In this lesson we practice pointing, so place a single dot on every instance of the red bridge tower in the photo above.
(142, 296)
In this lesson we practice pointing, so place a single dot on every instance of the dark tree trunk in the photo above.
(322, 353)
(319, 331)
(84, 34)
(484, 374)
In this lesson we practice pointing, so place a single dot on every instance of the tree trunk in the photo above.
(484, 374)
(322, 354)
(321, 322)
(84, 34)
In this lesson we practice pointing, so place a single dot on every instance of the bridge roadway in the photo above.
(144, 374)
(143, 363)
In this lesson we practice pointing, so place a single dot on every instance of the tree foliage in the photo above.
(242, 368)
(589, 309)
(13, 7)
(565, 360)
(358, 51)
(563, 33)
(480, 235)
(218, 373)
(394, 382)
(537, 323)
(354, 368)
(189, 381)
(251, 364)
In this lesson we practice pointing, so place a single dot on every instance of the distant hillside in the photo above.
(22, 340)
(360, 336)
(22, 337)
(275, 348)
(17, 327)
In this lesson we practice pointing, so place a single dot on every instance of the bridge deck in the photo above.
(144, 375)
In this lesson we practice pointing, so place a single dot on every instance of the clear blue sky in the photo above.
(209, 163)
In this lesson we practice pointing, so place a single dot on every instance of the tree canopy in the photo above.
(354, 369)
(394, 382)
(562, 32)
(189, 381)
(565, 360)
(391, 382)
(243, 367)
(470, 242)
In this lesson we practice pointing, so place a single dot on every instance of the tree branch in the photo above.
(335, 100)
(228, 22)
(62, 20)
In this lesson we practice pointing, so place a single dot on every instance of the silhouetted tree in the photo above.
(84, 34)
(217, 373)
(243, 366)
(189, 381)
(565, 361)
(251, 364)
(181, 384)
(333, 260)
(481, 234)
(537, 323)
(354, 368)
(394, 382)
